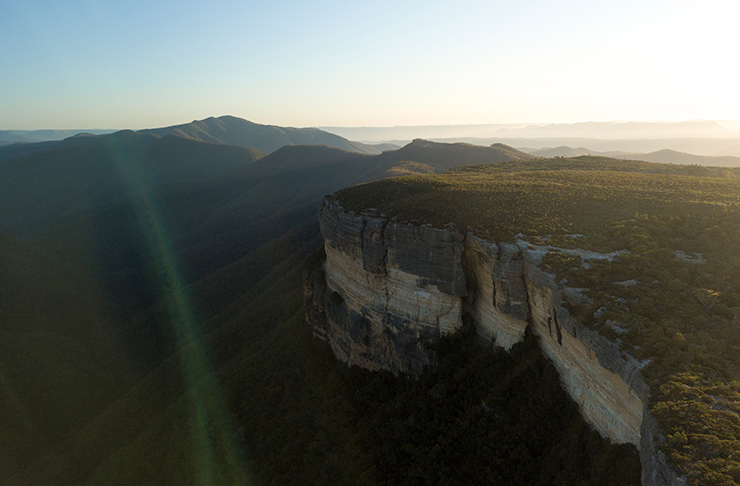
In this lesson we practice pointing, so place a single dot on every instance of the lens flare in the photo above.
(216, 456)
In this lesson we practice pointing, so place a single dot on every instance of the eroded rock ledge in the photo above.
(389, 287)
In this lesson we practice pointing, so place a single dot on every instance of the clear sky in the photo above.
(136, 64)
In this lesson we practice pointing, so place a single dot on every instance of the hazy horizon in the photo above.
(731, 124)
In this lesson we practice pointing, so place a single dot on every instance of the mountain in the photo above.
(236, 224)
(35, 136)
(665, 156)
(384, 147)
(604, 138)
(562, 151)
(45, 187)
(10, 136)
(265, 138)
(427, 132)
(87, 204)
(733, 151)
(614, 130)
(13, 150)
(199, 251)
(673, 157)
(434, 157)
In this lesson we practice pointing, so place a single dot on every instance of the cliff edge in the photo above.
(389, 287)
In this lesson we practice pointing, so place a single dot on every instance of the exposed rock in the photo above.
(391, 287)
(682, 256)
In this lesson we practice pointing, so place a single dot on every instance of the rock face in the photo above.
(390, 287)
(385, 298)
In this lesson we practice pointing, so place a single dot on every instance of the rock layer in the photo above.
(391, 287)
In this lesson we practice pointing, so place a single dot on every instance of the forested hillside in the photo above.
(153, 332)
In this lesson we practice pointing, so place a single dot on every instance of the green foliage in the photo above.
(703, 418)
(542, 197)
(482, 417)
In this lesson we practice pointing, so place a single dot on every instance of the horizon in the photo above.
(731, 124)
(328, 64)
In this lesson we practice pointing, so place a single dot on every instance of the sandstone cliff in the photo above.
(389, 287)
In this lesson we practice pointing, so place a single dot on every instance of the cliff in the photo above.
(389, 287)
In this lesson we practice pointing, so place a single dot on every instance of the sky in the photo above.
(77, 64)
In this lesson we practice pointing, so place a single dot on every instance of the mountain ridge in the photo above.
(232, 130)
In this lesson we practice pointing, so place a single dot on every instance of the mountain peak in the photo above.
(231, 130)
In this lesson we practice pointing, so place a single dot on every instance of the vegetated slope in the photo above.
(433, 157)
(384, 147)
(44, 188)
(265, 138)
(108, 208)
(61, 362)
(88, 202)
(144, 435)
(674, 157)
(673, 301)
(13, 150)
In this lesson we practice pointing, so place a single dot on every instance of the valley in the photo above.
(157, 286)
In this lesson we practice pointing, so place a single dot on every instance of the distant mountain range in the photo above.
(673, 157)
(705, 137)
(562, 151)
(623, 130)
(228, 130)
(733, 150)
(589, 130)
(665, 156)
(32, 136)
(265, 138)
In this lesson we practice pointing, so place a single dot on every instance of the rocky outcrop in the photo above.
(384, 297)
(390, 287)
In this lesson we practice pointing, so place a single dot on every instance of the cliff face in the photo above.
(385, 294)
(391, 287)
